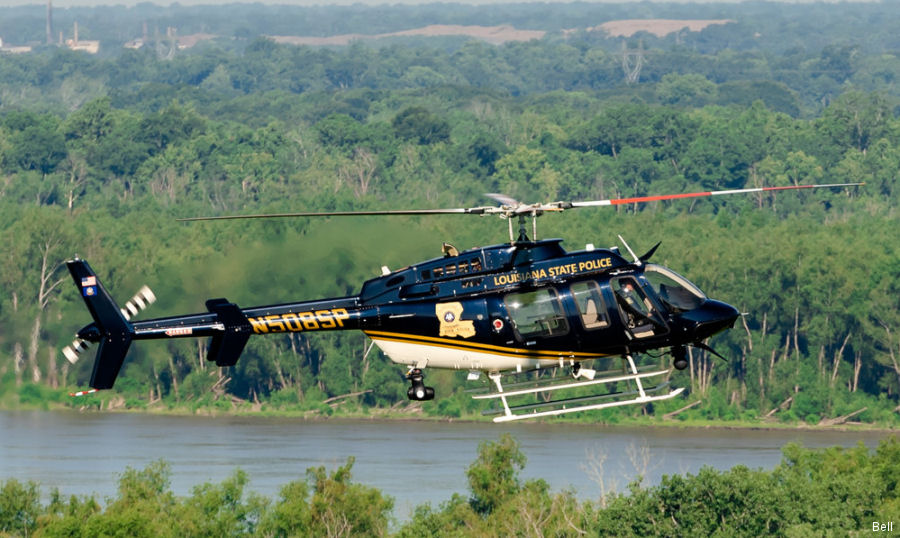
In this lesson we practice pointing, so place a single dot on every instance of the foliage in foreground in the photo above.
(834, 490)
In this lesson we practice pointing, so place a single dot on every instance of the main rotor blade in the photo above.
(450, 211)
(512, 208)
(642, 199)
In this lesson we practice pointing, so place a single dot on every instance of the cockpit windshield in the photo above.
(675, 291)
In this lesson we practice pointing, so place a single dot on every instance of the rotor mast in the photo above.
(523, 229)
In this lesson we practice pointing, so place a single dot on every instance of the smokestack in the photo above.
(49, 22)
(76, 32)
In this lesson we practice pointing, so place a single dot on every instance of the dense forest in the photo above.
(795, 58)
(810, 493)
(100, 154)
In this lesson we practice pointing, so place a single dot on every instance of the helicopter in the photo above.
(508, 311)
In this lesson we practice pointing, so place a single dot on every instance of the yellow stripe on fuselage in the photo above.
(473, 346)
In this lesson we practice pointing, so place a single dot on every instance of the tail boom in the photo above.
(224, 317)
(228, 326)
(231, 327)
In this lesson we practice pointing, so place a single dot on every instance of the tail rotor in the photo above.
(141, 300)
(76, 348)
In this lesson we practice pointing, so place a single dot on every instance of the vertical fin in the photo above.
(115, 332)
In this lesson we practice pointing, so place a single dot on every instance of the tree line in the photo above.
(817, 273)
(795, 58)
(810, 492)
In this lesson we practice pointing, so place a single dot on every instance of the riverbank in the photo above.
(60, 400)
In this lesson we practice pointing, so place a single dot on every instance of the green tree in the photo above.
(421, 126)
(340, 130)
(777, 96)
(526, 174)
(35, 142)
(90, 123)
(20, 507)
(339, 507)
(170, 126)
(614, 128)
(67, 517)
(685, 90)
(145, 506)
(837, 61)
(221, 509)
(494, 476)
(32, 272)
(857, 119)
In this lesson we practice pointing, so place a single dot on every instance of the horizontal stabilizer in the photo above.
(226, 348)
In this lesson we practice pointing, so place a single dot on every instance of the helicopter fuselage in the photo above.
(497, 308)
(519, 306)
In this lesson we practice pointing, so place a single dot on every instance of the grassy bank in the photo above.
(41, 397)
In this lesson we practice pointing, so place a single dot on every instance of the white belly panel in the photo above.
(460, 359)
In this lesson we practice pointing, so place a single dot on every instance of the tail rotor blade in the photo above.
(141, 300)
(75, 349)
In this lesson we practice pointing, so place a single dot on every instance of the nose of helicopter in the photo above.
(709, 318)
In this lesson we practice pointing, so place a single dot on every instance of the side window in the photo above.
(636, 308)
(536, 313)
(589, 301)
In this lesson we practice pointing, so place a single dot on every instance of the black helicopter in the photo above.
(508, 309)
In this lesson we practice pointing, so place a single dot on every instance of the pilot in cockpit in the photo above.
(637, 308)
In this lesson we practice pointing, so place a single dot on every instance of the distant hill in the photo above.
(657, 27)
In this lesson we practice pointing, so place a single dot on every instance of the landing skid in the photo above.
(639, 395)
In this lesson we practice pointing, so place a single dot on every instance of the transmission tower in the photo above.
(632, 61)
(165, 47)
(49, 22)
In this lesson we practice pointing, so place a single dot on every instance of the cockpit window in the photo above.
(676, 292)
(536, 313)
(636, 308)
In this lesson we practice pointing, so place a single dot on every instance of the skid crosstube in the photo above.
(563, 406)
